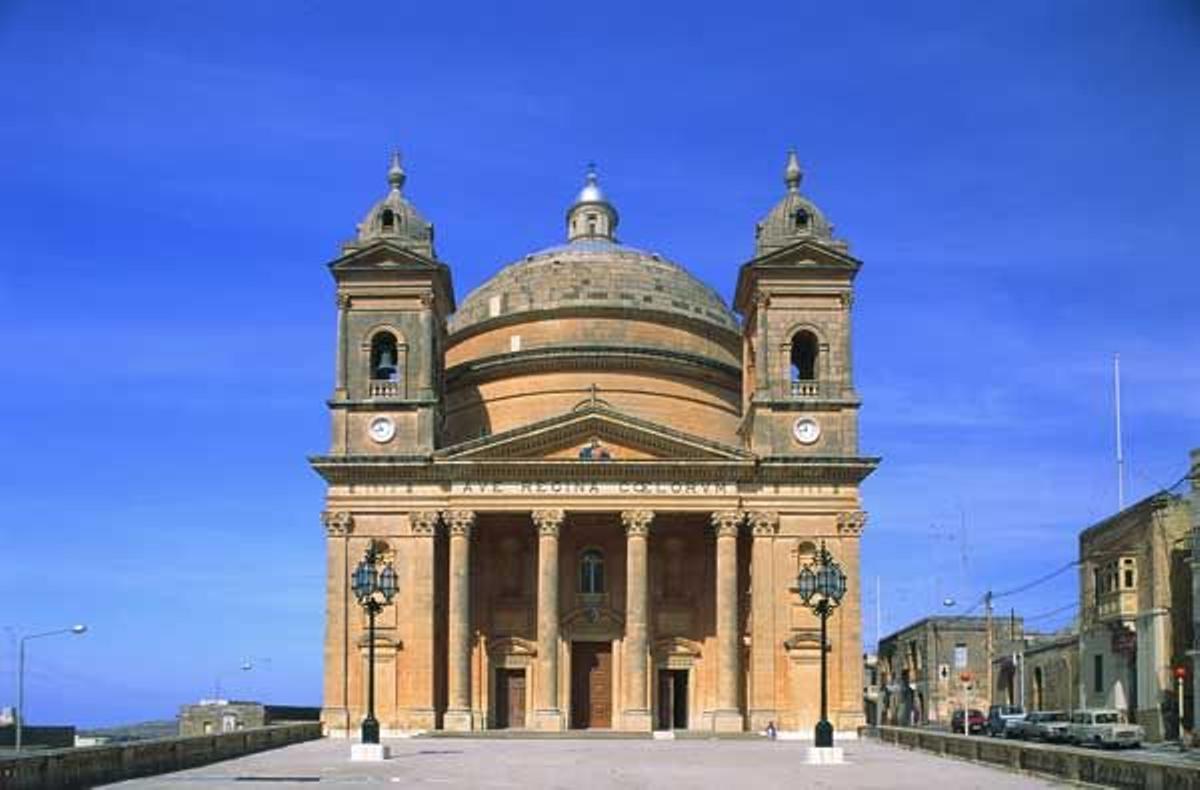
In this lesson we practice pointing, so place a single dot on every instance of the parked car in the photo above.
(1000, 715)
(1051, 726)
(1104, 727)
(1039, 725)
(977, 722)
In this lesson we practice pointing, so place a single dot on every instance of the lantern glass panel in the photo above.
(387, 582)
(362, 581)
(807, 583)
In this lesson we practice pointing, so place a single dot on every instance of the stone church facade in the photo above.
(596, 482)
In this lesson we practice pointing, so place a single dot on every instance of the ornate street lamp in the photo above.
(374, 587)
(821, 585)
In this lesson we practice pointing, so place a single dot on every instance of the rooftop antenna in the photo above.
(1120, 451)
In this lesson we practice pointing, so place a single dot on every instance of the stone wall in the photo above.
(1087, 766)
(94, 765)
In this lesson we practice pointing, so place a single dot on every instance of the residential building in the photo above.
(211, 716)
(1136, 610)
(1038, 672)
(939, 664)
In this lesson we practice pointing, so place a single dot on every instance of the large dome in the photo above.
(592, 273)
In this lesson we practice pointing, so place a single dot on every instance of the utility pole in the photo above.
(988, 608)
(1120, 451)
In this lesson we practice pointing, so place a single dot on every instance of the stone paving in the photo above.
(584, 763)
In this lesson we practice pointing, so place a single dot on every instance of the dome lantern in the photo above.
(591, 216)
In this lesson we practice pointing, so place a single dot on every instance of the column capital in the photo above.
(850, 523)
(637, 522)
(459, 522)
(726, 522)
(763, 523)
(423, 522)
(548, 522)
(338, 523)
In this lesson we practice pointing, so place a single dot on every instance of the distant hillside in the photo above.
(137, 732)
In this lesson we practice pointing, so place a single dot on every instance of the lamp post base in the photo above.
(369, 752)
(370, 730)
(824, 755)
(823, 735)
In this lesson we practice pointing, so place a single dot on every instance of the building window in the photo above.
(804, 356)
(800, 217)
(383, 357)
(387, 220)
(1129, 572)
(591, 572)
(1098, 673)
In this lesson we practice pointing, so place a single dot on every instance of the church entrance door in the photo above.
(510, 698)
(591, 685)
(672, 699)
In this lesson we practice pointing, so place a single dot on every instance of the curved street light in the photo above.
(75, 629)
(374, 585)
(822, 584)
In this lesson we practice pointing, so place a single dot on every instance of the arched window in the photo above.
(800, 217)
(383, 357)
(591, 572)
(387, 220)
(804, 356)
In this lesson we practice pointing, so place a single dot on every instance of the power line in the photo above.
(1043, 615)
(1040, 580)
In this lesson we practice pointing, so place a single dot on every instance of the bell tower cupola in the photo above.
(591, 216)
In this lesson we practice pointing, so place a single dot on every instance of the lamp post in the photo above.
(821, 585)
(374, 587)
(75, 629)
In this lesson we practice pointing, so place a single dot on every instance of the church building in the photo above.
(596, 481)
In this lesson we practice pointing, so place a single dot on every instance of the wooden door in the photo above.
(591, 685)
(510, 698)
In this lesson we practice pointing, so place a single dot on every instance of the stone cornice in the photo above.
(599, 357)
(375, 469)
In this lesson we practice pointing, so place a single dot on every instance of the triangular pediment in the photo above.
(599, 431)
(384, 254)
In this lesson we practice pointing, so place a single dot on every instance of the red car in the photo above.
(976, 722)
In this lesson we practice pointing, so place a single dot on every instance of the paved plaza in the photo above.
(589, 763)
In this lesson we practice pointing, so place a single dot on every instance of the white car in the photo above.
(1105, 727)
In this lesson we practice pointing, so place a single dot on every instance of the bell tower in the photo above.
(796, 295)
(393, 296)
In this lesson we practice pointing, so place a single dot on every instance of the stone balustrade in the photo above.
(1066, 763)
(94, 765)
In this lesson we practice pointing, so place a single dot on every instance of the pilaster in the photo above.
(727, 717)
(764, 525)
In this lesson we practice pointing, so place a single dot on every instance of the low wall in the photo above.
(1090, 766)
(94, 765)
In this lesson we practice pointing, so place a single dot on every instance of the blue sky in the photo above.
(1022, 181)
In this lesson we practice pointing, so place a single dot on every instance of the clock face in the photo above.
(382, 429)
(806, 430)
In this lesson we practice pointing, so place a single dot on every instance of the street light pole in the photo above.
(75, 629)
(821, 585)
(374, 587)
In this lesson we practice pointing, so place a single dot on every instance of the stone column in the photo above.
(335, 711)
(763, 594)
(547, 715)
(727, 717)
(636, 715)
(341, 378)
(458, 678)
(420, 609)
